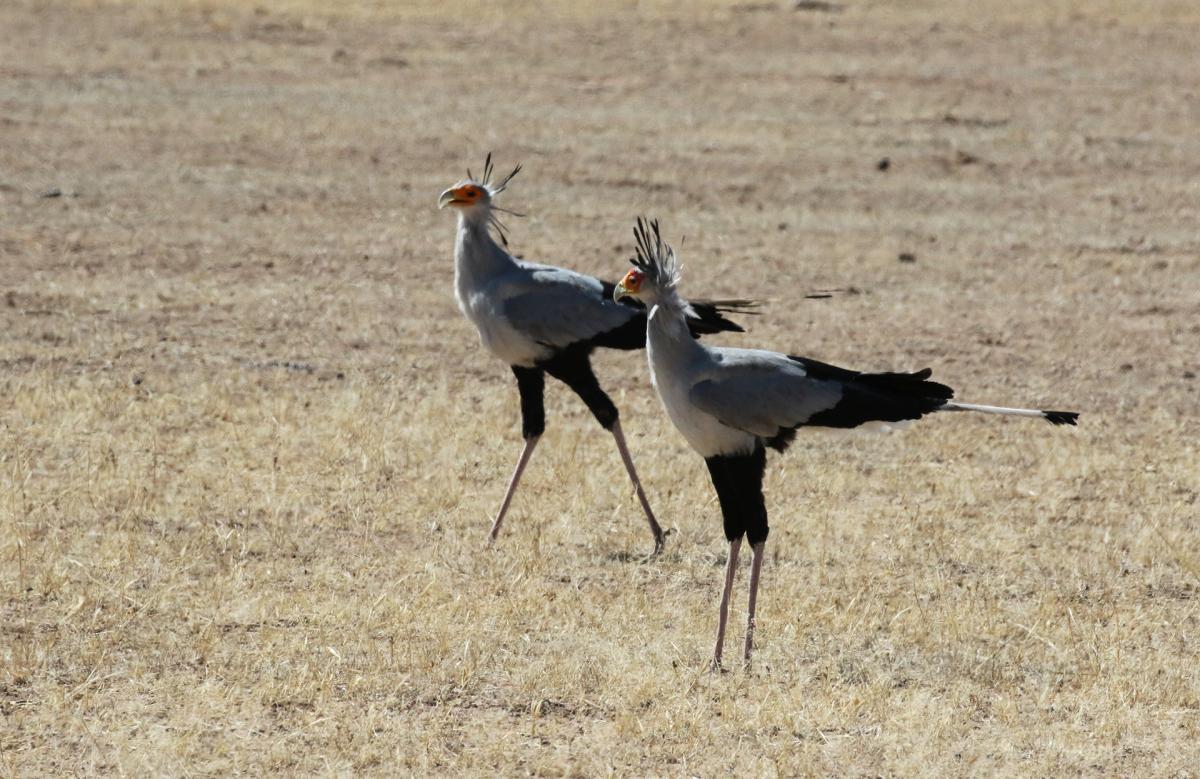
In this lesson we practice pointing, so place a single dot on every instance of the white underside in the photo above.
(706, 434)
(668, 359)
(482, 286)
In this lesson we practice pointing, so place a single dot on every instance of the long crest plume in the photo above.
(493, 190)
(486, 181)
(655, 257)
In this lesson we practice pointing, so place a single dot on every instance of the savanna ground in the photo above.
(249, 448)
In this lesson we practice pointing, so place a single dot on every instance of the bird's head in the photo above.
(467, 193)
(630, 286)
(655, 271)
(473, 197)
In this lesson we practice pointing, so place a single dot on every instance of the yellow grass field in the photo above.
(249, 448)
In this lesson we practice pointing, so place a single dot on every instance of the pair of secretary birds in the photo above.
(730, 404)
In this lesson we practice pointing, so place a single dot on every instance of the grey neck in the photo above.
(476, 253)
(668, 329)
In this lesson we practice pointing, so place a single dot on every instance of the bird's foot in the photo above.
(660, 542)
(715, 667)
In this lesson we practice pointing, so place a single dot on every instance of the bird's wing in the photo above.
(760, 392)
(558, 307)
(770, 394)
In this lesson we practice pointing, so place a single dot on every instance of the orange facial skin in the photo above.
(630, 285)
(462, 195)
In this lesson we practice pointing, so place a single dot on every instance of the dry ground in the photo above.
(249, 448)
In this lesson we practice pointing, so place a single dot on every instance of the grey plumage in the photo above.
(546, 320)
(557, 307)
(727, 401)
(760, 392)
(730, 404)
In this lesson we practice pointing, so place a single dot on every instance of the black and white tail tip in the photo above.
(1061, 417)
(1053, 417)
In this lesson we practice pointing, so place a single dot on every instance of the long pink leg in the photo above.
(730, 569)
(755, 569)
(512, 486)
(637, 485)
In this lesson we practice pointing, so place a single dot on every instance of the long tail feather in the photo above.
(706, 317)
(1053, 417)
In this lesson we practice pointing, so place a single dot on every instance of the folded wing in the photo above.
(770, 394)
(558, 308)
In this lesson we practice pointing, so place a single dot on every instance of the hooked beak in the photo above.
(447, 197)
(620, 292)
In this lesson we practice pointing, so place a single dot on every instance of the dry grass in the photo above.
(249, 448)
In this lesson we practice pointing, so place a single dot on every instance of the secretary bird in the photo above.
(541, 319)
(730, 404)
